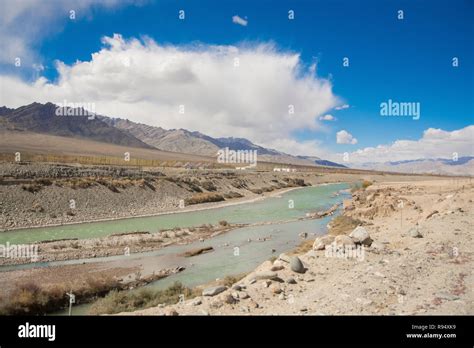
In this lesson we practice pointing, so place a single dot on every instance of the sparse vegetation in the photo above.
(33, 188)
(366, 184)
(230, 280)
(206, 197)
(29, 298)
(127, 301)
(303, 247)
(342, 224)
(360, 186)
(295, 182)
(223, 223)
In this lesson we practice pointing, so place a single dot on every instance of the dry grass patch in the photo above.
(303, 248)
(205, 197)
(128, 301)
(342, 225)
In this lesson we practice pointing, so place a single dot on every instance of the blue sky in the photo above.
(407, 60)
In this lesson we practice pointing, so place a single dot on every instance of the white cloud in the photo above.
(239, 20)
(327, 117)
(147, 82)
(435, 143)
(24, 23)
(342, 107)
(344, 137)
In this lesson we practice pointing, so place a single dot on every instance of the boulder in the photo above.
(321, 242)
(343, 241)
(214, 290)
(360, 236)
(296, 265)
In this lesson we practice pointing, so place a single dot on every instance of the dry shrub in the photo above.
(206, 197)
(342, 225)
(127, 301)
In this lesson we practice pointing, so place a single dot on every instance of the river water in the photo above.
(233, 252)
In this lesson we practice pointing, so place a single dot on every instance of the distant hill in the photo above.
(463, 166)
(184, 141)
(42, 118)
(320, 162)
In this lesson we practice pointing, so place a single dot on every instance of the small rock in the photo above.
(296, 265)
(275, 288)
(196, 302)
(282, 296)
(415, 233)
(291, 280)
(236, 287)
(229, 299)
(377, 246)
(447, 296)
(243, 295)
(378, 274)
(171, 312)
(235, 295)
(284, 258)
(321, 242)
(212, 291)
(276, 268)
(268, 275)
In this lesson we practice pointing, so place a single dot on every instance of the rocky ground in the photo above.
(118, 244)
(412, 254)
(34, 195)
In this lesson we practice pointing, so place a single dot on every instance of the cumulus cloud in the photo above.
(266, 97)
(344, 137)
(25, 23)
(239, 20)
(327, 117)
(435, 143)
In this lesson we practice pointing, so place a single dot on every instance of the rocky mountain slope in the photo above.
(184, 141)
(42, 118)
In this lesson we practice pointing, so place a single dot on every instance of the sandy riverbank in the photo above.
(420, 262)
